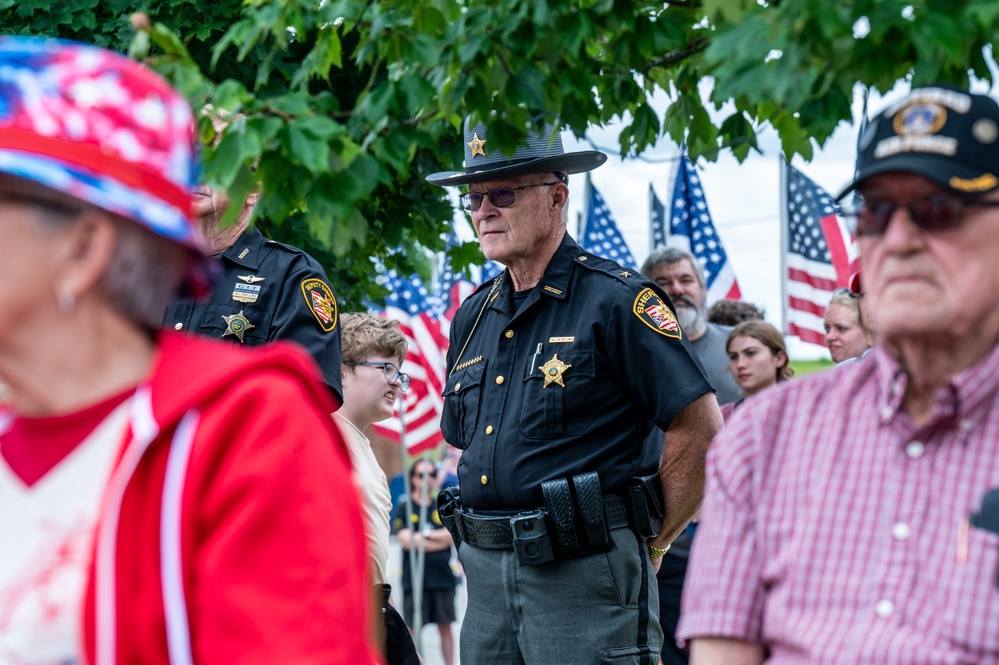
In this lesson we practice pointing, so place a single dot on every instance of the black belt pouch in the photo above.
(448, 505)
(644, 502)
(561, 511)
(590, 501)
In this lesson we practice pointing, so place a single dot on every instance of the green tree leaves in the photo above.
(346, 105)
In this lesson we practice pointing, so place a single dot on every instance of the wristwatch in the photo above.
(656, 553)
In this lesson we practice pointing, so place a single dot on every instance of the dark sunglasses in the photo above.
(939, 212)
(391, 372)
(501, 197)
(430, 474)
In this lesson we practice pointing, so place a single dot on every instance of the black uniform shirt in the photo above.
(269, 291)
(572, 382)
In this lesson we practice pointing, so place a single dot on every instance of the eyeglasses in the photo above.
(939, 212)
(501, 198)
(391, 372)
(843, 291)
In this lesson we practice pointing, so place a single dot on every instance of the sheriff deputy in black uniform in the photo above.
(557, 372)
(267, 291)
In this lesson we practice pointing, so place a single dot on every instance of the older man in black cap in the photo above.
(845, 517)
(557, 371)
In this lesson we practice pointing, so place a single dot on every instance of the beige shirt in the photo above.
(371, 481)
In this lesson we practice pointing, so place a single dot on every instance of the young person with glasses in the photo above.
(840, 513)
(373, 350)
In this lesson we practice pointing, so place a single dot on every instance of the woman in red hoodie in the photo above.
(187, 500)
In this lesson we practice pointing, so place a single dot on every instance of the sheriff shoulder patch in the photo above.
(653, 312)
(321, 302)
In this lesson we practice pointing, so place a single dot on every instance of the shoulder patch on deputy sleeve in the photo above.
(321, 302)
(653, 312)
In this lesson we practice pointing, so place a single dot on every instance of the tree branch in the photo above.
(695, 45)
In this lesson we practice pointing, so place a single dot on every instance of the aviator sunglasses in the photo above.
(939, 212)
(501, 197)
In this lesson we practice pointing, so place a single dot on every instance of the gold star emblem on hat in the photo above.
(237, 325)
(476, 144)
(553, 370)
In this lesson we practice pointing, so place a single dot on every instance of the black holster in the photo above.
(448, 504)
(644, 503)
(575, 507)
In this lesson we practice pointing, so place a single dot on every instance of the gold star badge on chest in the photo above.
(477, 145)
(553, 371)
(237, 325)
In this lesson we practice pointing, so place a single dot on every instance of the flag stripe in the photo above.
(807, 334)
(806, 305)
(818, 283)
(837, 248)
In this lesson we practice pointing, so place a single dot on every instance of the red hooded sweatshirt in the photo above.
(230, 531)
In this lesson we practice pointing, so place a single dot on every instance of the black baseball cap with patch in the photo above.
(540, 153)
(946, 135)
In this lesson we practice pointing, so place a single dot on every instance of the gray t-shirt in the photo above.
(710, 348)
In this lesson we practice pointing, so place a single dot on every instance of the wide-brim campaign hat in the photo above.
(541, 153)
(103, 129)
(946, 135)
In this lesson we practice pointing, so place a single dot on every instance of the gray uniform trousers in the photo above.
(602, 608)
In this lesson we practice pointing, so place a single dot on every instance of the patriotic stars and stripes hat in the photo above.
(101, 128)
(541, 153)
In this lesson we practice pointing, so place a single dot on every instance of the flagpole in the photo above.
(784, 225)
(652, 231)
(413, 556)
(421, 557)
(581, 216)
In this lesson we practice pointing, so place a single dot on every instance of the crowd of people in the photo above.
(172, 498)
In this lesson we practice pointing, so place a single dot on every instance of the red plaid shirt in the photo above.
(832, 525)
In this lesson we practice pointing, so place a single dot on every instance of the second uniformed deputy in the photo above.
(267, 291)
(557, 372)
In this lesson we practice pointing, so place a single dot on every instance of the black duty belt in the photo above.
(493, 531)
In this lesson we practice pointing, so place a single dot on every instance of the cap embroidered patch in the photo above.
(920, 119)
(321, 302)
(982, 183)
(653, 312)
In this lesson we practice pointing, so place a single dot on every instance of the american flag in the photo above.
(490, 270)
(452, 288)
(657, 219)
(419, 314)
(691, 229)
(602, 236)
(820, 256)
